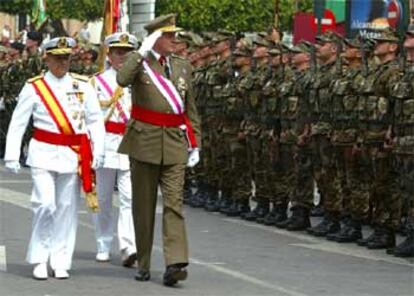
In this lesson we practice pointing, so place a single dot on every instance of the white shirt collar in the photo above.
(55, 79)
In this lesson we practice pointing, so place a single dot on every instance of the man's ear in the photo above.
(393, 47)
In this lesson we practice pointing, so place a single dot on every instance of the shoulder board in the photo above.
(33, 79)
(79, 77)
(97, 73)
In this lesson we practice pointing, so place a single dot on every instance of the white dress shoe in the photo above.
(40, 271)
(61, 274)
(102, 257)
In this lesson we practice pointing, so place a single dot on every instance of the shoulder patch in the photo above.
(33, 79)
(79, 77)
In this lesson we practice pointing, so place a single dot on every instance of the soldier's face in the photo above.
(58, 64)
(117, 57)
(180, 48)
(241, 61)
(351, 53)
(326, 50)
(382, 48)
(165, 45)
(299, 58)
(409, 42)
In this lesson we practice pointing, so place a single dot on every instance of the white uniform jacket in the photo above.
(113, 159)
(85, 117)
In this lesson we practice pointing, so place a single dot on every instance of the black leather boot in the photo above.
(211, 202)
(261, 210)
(385, 239)
(299, 220)
(328, 225)
(351, 232)
(364, 241)
(406, 248)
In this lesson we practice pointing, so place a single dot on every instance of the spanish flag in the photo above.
(112, 15)
(39, 16)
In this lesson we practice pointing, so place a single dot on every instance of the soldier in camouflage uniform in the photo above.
(252, 127)
(323, 152)
(347, 139)
(404, 142)
(236, 151)
(296, 123)
(385, 194)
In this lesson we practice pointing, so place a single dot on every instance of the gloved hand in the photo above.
(193, 158)
(13, 166)
(98, 162)
(149, 42)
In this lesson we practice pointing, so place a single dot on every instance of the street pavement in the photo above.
(228, 257)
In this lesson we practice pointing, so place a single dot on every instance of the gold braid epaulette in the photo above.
(79, 77)
(33, 79)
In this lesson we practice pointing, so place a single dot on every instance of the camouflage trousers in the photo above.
(303, 181)
(282, 176)
(405, 167)
(358, 177)
(385, 194)
(257, 166)
(325, 173)
(240, 171)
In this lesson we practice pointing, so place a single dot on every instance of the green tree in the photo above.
(242, 15)
(58, 9)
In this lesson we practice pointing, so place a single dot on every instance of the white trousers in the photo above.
(54, 204)
(104, 220)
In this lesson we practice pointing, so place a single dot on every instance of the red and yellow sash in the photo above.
(81, 147)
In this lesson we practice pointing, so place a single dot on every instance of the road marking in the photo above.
(3, 261)
(22, 200)
(323, 245)
(15, 181)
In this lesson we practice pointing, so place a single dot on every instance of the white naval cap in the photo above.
(59, 46)
(121, 39)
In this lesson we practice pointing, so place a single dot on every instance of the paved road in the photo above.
(228, 257)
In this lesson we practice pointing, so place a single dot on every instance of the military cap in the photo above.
(284, 47)
(328, 36)
(243, 52)
(163, 23)
(386, 35)
(18, 46)
(302, 47)
(274, 51)
(184, 37)
(121, 39)
(59, 46)
(36, 36)
(354, 42)
(223, 35)
(410, 30)
(260, 41)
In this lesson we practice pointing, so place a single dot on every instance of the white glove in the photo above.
(193, 158)
(98, 162)
(149, 42)
(13, 166)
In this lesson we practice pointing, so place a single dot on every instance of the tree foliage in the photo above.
(241, 15)
(58, 9)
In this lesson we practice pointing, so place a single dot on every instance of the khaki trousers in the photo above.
(145, 179)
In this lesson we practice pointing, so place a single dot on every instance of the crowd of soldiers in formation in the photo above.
(282, 122)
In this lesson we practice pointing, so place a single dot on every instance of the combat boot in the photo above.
(261, 210)
(211, 202)
(385, 239)
(406, 248)
(225, 204)
(364, 241)
(317, 211)
(350, 233)
(333, 236)
(199, 198)
(328, 225)
(269, 218)
(299, 219)
(232, 210)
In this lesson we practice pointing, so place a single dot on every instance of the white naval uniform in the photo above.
(115, 169)
(56, 184)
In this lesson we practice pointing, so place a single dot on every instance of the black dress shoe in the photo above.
(142, 276)
(173, 274)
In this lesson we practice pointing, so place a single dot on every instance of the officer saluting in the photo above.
(116, 105)
(66, 115)
(162, 136)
